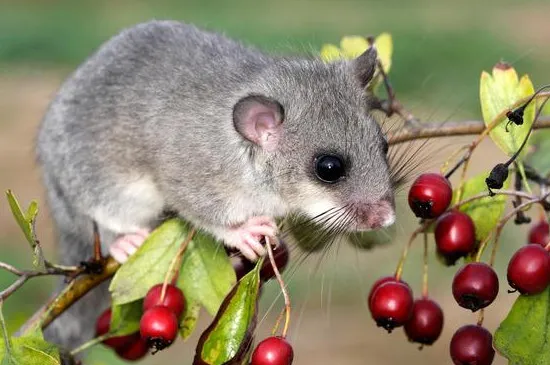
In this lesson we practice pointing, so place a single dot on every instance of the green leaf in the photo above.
(539, 158)
(206, 275)
(25, 220)
(485, 212)
(498, 93)
(229, 336)
(125, 318)
(35, 351)
(189, 319)
(148, 266)
(524, 337)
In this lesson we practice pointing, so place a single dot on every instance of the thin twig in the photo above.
(425, 272)
(281, 284)
(176, 263)
(449, 129)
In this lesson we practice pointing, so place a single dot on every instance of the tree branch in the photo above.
(437, 130)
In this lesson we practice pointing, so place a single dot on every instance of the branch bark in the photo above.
(438, 130)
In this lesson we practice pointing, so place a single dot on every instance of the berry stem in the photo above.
(481, 317)
(425, 274)
(175, 264)
(282, 285)
(278, 321)
(401, 263)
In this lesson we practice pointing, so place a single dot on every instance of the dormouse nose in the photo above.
(375, 215)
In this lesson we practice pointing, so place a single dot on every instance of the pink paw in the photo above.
(126, 245)
(246, 237)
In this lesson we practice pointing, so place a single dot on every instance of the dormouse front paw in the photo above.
(126, 245)
(247, 236)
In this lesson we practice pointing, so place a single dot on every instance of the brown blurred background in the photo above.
(440, 49)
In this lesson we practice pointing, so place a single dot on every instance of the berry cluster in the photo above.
(158, 325)
(475, 285)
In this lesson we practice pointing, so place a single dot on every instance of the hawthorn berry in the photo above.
(475, 286)
(472, 344)
(391, 305)
(134, 351)
(426, 323)
(529, 269)
(102, 327)
(173, 299)
(430, 195)
(454, 236)
(540, 233)
(159, 327)
(273, 351)
(377, 283)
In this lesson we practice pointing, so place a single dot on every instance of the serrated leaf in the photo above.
(148, 266)
(29, 350)
(485, 212)
(189, 319)
(24, 220)
(498, 93)
(206, 275)
(228, 338)
(125, 318)
(523, 337)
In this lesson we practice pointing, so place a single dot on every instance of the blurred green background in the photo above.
(440, 49)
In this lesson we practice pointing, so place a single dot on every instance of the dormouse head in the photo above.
(309, 124)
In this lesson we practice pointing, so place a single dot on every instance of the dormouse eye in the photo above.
(329, 168)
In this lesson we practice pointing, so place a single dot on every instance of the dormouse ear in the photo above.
(259, 119)
(365, 65)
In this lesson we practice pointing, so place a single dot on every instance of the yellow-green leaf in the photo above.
(384, 47)
(206, 274)
(24, 220)
(125, 318)
(148, 266)
(330, 53)
(485, 212)
(523, 337)
(229, 336)
(189, 319)
(353, 46)
(498, 93)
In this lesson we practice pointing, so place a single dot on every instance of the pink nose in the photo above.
(375, 215)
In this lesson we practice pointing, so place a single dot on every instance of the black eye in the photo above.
(385, 146)
(329, 168)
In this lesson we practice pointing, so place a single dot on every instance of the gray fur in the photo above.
(144, 125)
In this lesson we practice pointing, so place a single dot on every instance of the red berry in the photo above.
(475, 286)
(273, 351)
(135, 350)
(173, 299)
(529, 269)
(430, 195)
(426, 323)
(454, 236)
(377, 283)
(540, 233)
(159, 327)
(472, 344)
(102, 327)
(391, 305)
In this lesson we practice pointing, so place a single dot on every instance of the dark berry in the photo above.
(159, 327)
(135, 350)
(391, 305)
(173, 299)
(377, 283)
(454, 236)
(426, 323)
(430, 195)
(102, 327)
(529, 269)
(241, 265)
(475, 286)
(540, 233)
(273, 351)
(472, 345)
